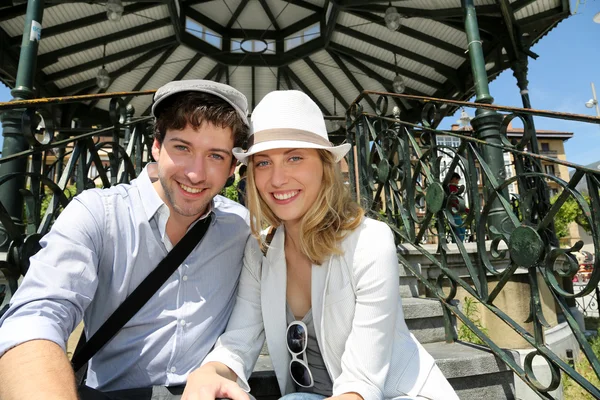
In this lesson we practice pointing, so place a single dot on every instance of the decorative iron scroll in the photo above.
(401, 178)
(60, 167)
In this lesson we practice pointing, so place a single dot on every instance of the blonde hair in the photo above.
(327, 222)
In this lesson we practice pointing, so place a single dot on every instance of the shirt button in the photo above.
(182, 322)
(185, 278)
(173, 369)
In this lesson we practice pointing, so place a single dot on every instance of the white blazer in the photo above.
(357, 314)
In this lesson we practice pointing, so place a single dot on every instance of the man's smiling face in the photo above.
(193, 166)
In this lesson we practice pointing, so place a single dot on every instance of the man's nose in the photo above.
(196, 171)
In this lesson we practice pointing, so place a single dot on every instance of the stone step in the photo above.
(408, 282)
(473, 371)
(424, 319)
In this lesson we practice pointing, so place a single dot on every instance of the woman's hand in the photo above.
(212, 381)
(346, 396)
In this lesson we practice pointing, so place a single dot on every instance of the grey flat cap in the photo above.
(234, 97)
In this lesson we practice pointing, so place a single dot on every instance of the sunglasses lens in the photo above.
(296, 338)
(300, 374)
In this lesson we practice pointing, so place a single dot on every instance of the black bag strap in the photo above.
(140, 296)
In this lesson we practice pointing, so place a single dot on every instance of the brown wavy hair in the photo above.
(195, 108)
(333, 215)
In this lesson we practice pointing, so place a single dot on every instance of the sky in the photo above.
(559, 80)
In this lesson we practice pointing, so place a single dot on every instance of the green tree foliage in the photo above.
(70, 192)
(230, 191)
(569, 212)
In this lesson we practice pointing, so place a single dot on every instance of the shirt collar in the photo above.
(152, 201)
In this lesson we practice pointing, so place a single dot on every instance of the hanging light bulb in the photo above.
(336, 123)
(398, 84)
(114, 10)
(392, 18)
(102, 77)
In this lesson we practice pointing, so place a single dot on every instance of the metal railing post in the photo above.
(486, 123)
(14, 140)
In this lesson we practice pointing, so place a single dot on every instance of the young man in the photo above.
(107, 241)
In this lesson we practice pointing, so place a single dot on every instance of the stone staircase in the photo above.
(474, 372)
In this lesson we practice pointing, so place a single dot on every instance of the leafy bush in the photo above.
(472, 312)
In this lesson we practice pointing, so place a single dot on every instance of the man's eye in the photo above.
(217, 156)
(180, 147)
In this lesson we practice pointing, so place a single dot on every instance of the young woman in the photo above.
(326, 293)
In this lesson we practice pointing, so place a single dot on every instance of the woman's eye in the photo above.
(295, 158)
(261, 164)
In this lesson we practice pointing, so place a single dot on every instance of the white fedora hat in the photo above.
(288, 119)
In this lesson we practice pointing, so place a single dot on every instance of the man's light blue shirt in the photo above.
(98, 251)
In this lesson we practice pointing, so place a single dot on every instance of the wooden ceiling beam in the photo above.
(326, 81)
(52, 57)
(267, 9)
(82, 87)
(306, 90)
(111, 58)
(386, 65)
(412, 33)
(87, 21)
(342, 66)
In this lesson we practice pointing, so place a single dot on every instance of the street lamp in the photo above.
(593, 102)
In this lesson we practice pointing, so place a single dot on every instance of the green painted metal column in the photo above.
(520, 68)
(486, 123)
(14, 140)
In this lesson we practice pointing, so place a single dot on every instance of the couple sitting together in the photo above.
(304, 270)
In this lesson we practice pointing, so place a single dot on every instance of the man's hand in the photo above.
(212, 381)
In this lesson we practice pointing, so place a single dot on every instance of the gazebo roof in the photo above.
(329, 49)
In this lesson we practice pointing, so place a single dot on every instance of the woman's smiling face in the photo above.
(288, 180)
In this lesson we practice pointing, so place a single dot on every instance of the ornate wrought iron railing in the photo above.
(588, 305)
(401, 178)
(61, 163)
